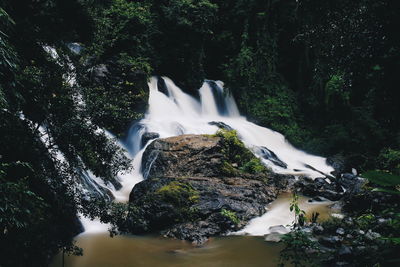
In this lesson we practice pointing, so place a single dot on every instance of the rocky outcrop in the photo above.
(189, 195)
(183, 156)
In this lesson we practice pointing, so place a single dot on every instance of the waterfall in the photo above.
(172, 112)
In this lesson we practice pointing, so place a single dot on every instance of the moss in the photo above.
(178, 193)
(238, 158)
(231, 215)
(254, 166)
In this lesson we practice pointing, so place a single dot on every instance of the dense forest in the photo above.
(323, 73)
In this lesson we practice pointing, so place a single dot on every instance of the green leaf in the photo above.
(386, 191)
(382, 178)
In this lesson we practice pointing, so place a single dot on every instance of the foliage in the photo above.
(389, 182)
(382, 178)
(19, 207)
(236, 153)
(231, 215)
(253, 166)
(178, 193)
(299, 249)
(299, 214)
(389, 159)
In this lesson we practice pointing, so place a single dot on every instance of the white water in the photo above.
(179, 113)
(279, 214)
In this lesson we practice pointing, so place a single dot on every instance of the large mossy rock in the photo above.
(197, 188)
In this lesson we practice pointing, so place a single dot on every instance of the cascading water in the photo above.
(172, 112)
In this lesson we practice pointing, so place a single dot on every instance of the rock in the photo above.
(341, 263)
(351, 183)
(270, 155)
(186, 195)
(146, 137)
(345, 251)
(75, 48)
(370, 235)
(330, 240)
(319, 187)
(221, 125)
(161, 86)
(318, 199)
(382, 221)
(318, 229)
(348, 221)
(99, 73)
(340, 231)
(273, 237)
(278, 229)
(337, 163)
(182, 156)
(349, 236)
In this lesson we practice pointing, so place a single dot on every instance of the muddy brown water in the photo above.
(100, 250)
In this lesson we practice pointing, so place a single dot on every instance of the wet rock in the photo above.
(185, 155)
(276, 233)
(99, 73)
(349, 236)
(146, 137)
(348, 221)
(161, 86)
(341, 264)
(221, 125)
(340, 231)
(330, 240)
(273, 237)
(318, 229)
(382, 221)
(75, 48)
(318, 199)
(351, 183)
(337, 163)
(345, 251)
(186, 195)
(279, 229)
(271, 156)
(319, 187)
(370, 235)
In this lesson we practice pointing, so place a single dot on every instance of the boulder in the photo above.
(184, 156)
(146, 137)
(221, 125)
(187, 194)
(351, 183)
(99, 73)
(319, 187)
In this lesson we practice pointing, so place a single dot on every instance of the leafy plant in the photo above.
(231, 215)
(390, 183)
(299, 249)
(299, 214)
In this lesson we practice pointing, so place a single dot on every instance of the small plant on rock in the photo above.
(299, 249)
(231, 215)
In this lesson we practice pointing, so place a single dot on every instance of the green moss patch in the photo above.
(237, 157)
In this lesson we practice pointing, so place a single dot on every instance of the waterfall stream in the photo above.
(172, 112)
